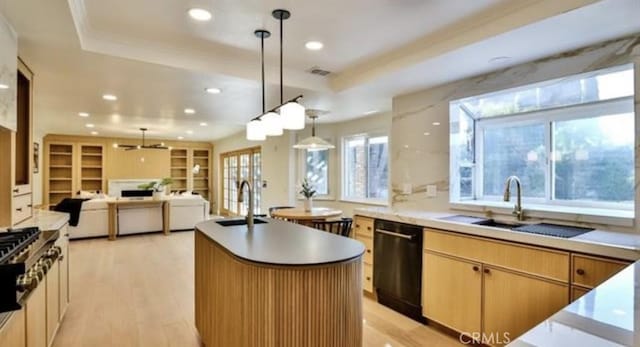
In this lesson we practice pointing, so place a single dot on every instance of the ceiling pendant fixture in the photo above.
(255, 128)
(143, 145)
(313, 143)
(291, 112)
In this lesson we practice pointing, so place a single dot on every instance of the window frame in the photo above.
(546, 117)
(302, 173)
(367, 136)
(252, 151)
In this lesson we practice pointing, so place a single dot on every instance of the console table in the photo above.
(114, 206)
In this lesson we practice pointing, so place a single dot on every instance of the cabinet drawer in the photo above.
(363, 226)
(367, 278)
(590, 271)
(368, 252)
(532, 260)
(21, 208)
(21, 190)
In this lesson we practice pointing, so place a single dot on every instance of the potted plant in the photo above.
(308, 192)
(157, 187)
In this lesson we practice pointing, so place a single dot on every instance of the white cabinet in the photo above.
(8, 76)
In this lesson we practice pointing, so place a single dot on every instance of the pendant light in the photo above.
(256, 128)
(313, 143)
(291, 113)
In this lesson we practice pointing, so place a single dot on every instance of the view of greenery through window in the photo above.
(569, 140)
(317, 170)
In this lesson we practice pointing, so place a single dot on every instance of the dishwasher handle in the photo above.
(391, 233)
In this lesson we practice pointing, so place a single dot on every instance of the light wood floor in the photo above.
(138, 291)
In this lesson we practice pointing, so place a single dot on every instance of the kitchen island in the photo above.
(280, 284)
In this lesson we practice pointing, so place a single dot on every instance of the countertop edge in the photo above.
(570, 245)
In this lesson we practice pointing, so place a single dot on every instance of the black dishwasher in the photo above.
(397, 273)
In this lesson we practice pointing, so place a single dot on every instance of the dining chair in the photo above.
(273, 208)
(340, 227)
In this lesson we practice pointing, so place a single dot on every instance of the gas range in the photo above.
(26, 255)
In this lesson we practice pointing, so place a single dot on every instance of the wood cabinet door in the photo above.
(12, 332)
(589, 272)
(515, 303)
(37, 317)
(53, 300)
(452, 292)
(64, 271)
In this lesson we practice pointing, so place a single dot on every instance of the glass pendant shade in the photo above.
(314, 143)
(272, 124)
(255, 131)
(292, 114)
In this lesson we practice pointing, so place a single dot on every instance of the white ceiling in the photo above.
(158, 61)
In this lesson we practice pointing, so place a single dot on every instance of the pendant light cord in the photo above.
(264, 106)
(281, 71)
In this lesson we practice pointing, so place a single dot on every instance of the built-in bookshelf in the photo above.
(201, 186)
(60, 177)
(92, 167)
(179, 169)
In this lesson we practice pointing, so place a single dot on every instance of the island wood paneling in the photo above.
(239, 303)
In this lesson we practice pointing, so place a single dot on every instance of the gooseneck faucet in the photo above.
(241, 199)
(517, 209)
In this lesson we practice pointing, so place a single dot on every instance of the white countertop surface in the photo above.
(613, 244)
(45, 220)
(282, 243)
(608, 315)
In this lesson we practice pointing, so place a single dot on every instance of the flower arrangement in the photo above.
(308, 192)
(156, 186)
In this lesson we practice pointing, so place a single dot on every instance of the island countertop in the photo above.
(282, 243)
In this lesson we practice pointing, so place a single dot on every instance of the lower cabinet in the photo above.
(53, 304)
(63, 260)
(515, 302)
(36, 308)
(454, 292)
(12, 333)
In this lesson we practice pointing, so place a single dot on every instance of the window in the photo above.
(316, 169)
(366, 168)
(570, 141)
(238, 166)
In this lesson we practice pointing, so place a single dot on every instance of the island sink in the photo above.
(236, 222)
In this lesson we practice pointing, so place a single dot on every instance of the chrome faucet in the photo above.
(517, 209)
(241, 199)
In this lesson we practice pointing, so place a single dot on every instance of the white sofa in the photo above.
(184, 213)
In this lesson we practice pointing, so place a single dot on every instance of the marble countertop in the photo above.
(612, 244)
(282, 243)
(608, 315)
(45, 220)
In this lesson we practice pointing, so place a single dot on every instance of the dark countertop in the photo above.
(282, 243)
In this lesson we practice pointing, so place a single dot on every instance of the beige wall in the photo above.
(281, 164)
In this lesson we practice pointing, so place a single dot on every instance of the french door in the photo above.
(236, 166)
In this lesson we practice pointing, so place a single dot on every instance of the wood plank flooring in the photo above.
(139, 291)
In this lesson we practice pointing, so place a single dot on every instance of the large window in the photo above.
(570, 141)
(238, 166)
(316, 170)
(365, 168)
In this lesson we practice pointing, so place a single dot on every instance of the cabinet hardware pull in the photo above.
(19, 209)
(580, 272)
(368, 278)
(357, 225)
(369, 228)
(391, 233)
(368, 251)
(30, 205)
(475, 268)
(487, 271)
(15, 190)
(61, 257)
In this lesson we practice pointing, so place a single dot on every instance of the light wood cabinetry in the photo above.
(36, 317)
(363, 232)
(179, 169)
(452, 296)
(200, 180)
(514, 302)
(577, 292)
(63, 243)
(53, 301)
(13, 332)
(588, 271)
(183, 162)
(91, 161)
(59, 173)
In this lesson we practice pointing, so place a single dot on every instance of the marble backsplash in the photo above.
(419, 160)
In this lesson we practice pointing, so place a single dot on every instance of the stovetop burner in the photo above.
(13, 242)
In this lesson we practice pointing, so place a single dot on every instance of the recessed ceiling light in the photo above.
(89, 125)
(189, 111)
(83, 114)
(110, 97)
(436, 123)
(370, 112)
(200, 14)
(189, 132)
(213, 90)
(499, 60)
(203, 124)
(4, 86)
(314, 45)
(180, 137)
(426, 134)
(94, 133)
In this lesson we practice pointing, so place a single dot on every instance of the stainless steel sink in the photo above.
(562, 231)
(498, 224)
(236, 222)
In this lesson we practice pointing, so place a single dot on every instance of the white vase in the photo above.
(308, 205)
(157, 195)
